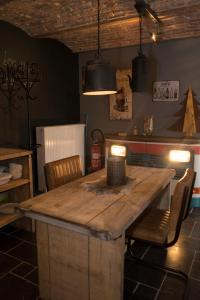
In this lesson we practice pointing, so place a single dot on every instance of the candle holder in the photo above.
(116, 166)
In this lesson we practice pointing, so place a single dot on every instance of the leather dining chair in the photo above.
(62, 171)
(161, 228)
(190, 192)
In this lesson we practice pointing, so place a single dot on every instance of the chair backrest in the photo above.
(190, 184)
(181, 199)
(62, 171)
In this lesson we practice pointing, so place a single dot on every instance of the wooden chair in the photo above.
(162, 227)
(190, 192)
(62, 171)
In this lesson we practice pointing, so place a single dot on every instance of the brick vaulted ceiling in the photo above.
(74, 22)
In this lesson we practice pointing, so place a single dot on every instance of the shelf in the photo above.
(18, 190)
(13, 184)
(9, 153)
(6, 219)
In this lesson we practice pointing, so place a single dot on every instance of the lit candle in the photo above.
(116, 163)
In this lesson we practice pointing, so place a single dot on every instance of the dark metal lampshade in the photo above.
(99, 78)
(140, 67)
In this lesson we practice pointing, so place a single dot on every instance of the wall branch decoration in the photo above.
(28, 75)
(15, 77)
(9, 86)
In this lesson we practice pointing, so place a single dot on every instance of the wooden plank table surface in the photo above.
(81, 232)
(74, 204)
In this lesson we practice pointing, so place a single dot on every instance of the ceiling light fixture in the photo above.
(150, 18)
(140, 64)
(144, 9)
(99, 76)
(138, 83)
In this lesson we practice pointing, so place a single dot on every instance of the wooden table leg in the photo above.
(76, 266)
(106, 269)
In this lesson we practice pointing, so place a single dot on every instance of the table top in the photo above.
(105, 213)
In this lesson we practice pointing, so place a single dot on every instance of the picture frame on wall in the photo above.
(166, 90)
(121, 102)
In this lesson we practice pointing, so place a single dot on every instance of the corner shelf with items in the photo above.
(16, 190)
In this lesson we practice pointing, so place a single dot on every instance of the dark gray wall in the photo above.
(176, 60)
(57, 93)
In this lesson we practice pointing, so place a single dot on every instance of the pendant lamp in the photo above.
(99, 76)
(139, 81)
(143, 68)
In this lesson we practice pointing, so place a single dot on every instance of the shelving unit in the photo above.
(19, 189)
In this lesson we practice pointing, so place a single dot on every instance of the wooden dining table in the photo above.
(80, 229)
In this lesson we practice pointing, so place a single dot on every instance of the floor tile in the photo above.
(172, 289)
(26, 236)
(193, 291)
(196, 211)
(7, 263)
(139, 248)
(173, 257)
(197, 256)
(186, 228)
(7, 242)
(196, 230)
(129, 287)
(195, 270)
(189, 243)
(20, 289)
(23, 269)
(141, 273)
(8, 229)
(144, 293)
(193, 217)
(33, 276)
(26, 252)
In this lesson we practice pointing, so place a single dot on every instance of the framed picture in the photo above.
(121, 103)
(165, 90)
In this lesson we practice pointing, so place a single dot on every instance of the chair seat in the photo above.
(153, 226)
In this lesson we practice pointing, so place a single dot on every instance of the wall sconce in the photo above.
(182, 156)
(116, 166)
(98, 76)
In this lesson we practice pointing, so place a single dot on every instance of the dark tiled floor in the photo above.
(18, 266)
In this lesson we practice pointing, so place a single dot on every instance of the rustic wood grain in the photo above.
(98, 213)
(89, 264)
(6, 219)
(106, 267)
(63, 263)
(74, 266)
(43, 260)
(13, 184)
(8, 153)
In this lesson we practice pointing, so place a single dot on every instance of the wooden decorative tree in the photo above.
(189, 114)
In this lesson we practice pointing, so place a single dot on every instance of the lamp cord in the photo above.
(140, 24)
(98, 29)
